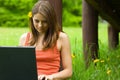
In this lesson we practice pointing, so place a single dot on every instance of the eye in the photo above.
(37, 21)
(44, 21)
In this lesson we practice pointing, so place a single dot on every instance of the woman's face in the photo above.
(40, 23)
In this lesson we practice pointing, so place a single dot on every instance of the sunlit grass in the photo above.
(107, 66)
(10, 36)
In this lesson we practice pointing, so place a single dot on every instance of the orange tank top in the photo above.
(48, 61)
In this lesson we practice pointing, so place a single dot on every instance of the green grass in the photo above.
(109, 59)
(11, 36)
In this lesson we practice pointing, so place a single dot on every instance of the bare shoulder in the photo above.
(23, 36)
(64, 38)
(63, 35)
(22, 39)
(63, 41)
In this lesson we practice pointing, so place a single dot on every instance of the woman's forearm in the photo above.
(62, 75)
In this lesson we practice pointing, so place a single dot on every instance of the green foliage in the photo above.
(14, 12)
(70, 19)
(72, 13)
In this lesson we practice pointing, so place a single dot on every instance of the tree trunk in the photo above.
(113, 38)
(90, 32)
(57, 4)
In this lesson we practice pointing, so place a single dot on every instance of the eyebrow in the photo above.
(40, 20)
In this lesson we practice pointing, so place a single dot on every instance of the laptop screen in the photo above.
(18, 63)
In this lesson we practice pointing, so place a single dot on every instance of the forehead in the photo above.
(39, 16)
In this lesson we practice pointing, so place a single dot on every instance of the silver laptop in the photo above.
(18, 63)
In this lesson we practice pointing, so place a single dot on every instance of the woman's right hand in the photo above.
(41, 77)
(45, 77)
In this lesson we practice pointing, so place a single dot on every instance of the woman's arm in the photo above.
(22, 39)
(66, 58)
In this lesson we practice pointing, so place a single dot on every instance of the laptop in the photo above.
(18, 63)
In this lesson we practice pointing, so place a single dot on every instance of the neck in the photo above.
(40, 35)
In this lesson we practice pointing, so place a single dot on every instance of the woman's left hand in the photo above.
(49, 77)
(45, 77)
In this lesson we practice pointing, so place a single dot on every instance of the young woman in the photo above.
(52, 45)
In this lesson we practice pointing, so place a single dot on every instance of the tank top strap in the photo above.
(27, 39)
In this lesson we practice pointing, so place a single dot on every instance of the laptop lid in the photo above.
(18, 63)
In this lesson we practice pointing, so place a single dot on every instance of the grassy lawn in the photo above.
(107, 67)
(10, 36)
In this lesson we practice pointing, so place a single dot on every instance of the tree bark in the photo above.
(106, 11)
(90, 32)
(113, 37)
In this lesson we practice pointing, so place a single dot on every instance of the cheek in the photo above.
(35, 24)
(45, 27)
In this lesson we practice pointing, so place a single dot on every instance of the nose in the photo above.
(40, 24)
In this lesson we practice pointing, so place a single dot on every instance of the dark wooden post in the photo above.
(90, 32)
(57, 4)
(58, 9)
(113, 38)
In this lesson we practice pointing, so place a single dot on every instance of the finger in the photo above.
(41, 77)
(46, 78)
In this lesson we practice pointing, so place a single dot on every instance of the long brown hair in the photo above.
(51, 35)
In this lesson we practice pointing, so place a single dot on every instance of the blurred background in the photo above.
(14, 13)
